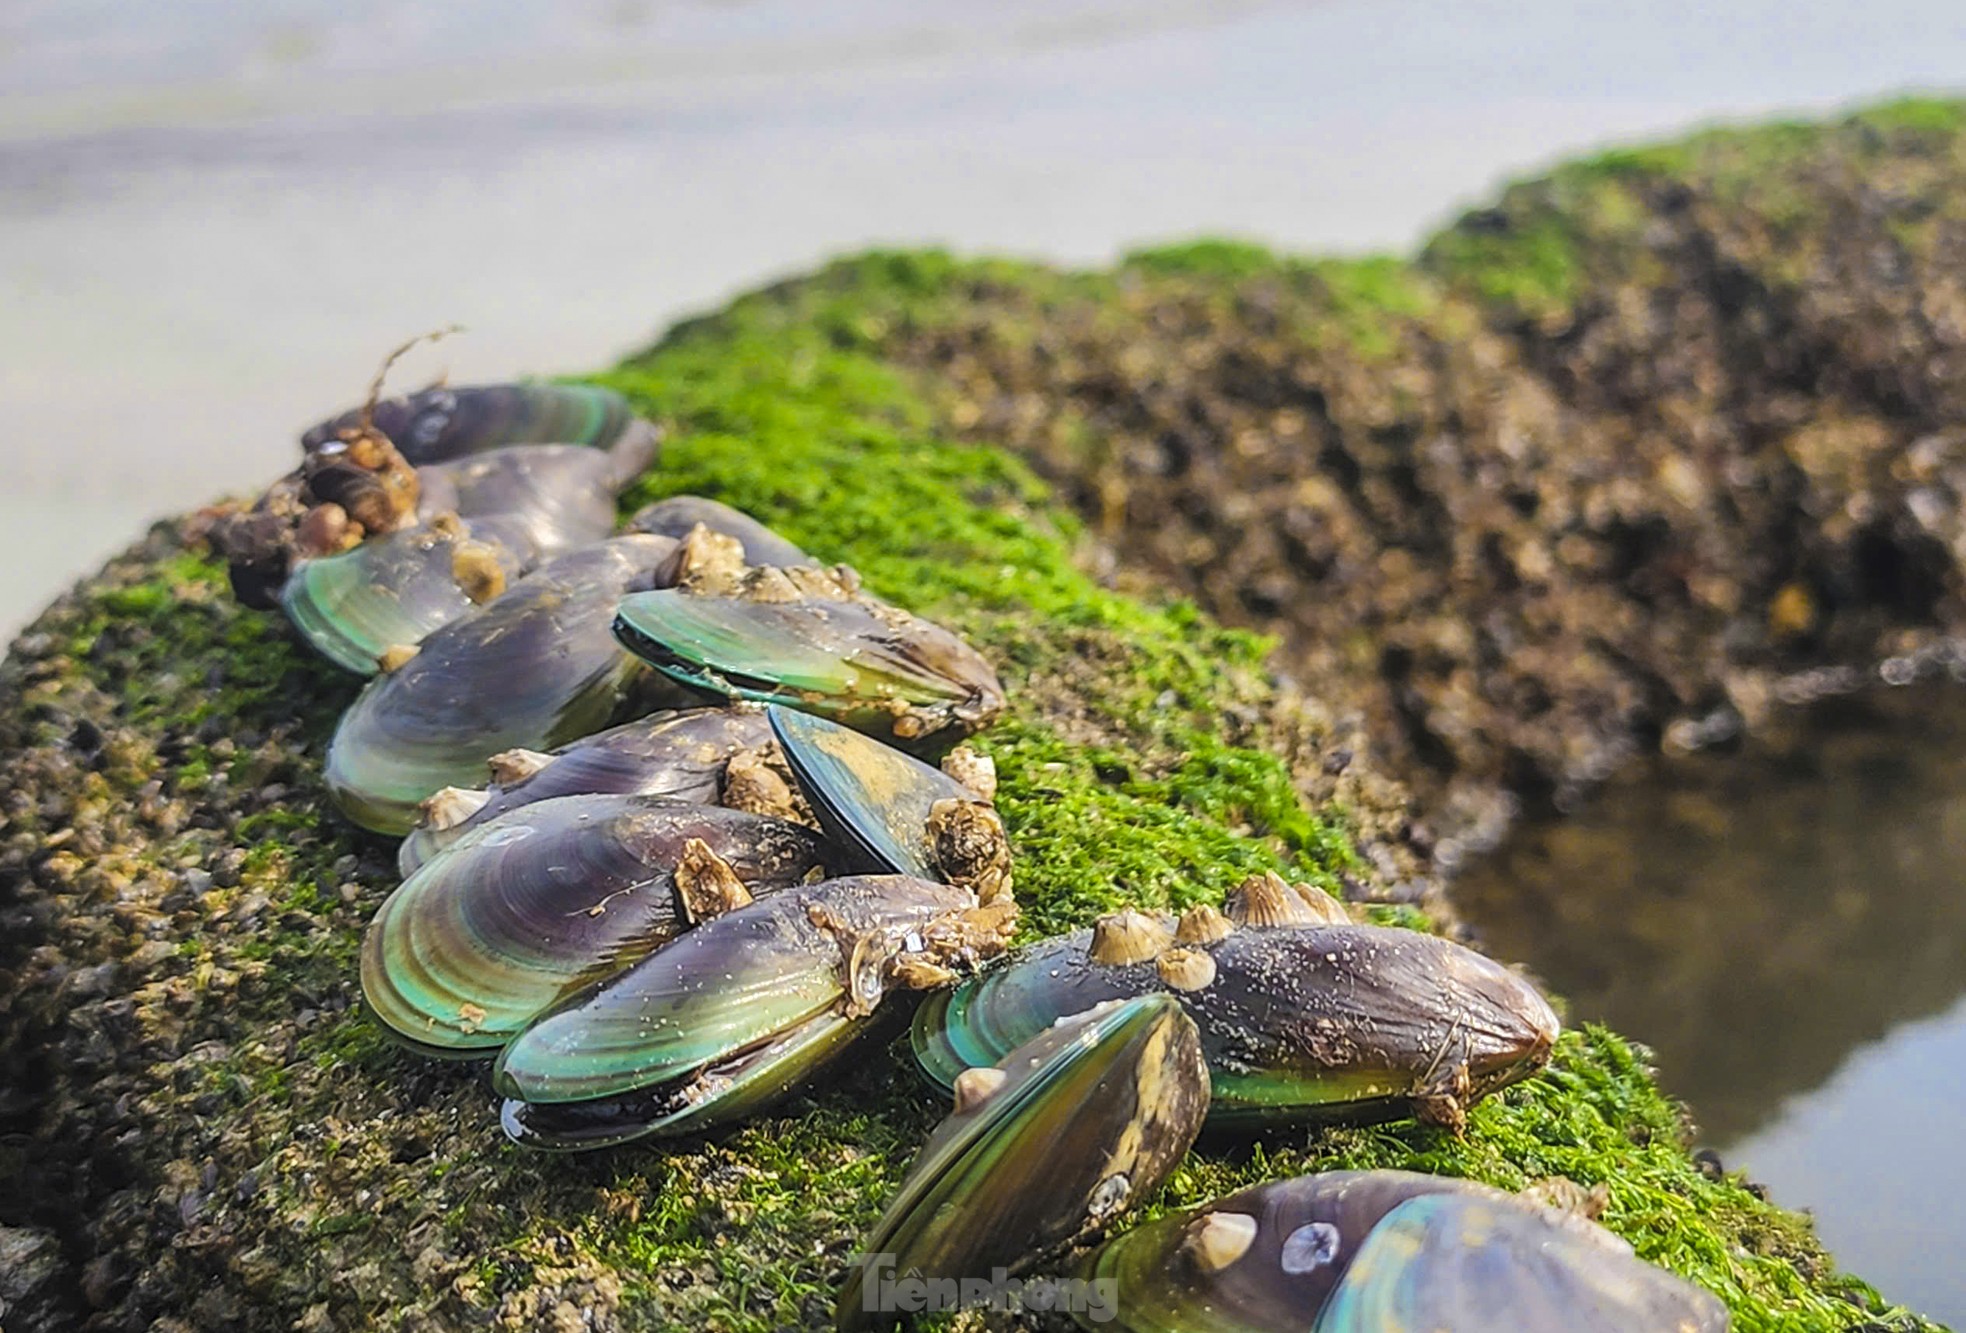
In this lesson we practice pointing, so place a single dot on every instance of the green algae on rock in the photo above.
(1631, 453)
(216, 1137)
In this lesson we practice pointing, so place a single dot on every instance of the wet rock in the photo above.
(1647, 433)
(31, 1273)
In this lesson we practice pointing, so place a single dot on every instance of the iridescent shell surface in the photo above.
(1355, 1023)
(856, 661)
(677, 515)
(443, 423)
(544, 899)
(397, 589)
(1265, 1258)
(680, 754)
(869, 797)
(1461, 1263)
(1069, 1131)
(730, 984)
(718, 1094)
(559, 496)
(534, 668)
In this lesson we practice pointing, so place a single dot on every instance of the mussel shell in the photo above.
(1090, 1118)
(679, 514)
(395, 589)
(869, 797)
(857, 662)
(1465, 1263)
(534, 668)
(714, 992)
(439, 424)
(715, 1095)
(1307, 1230)
(679, 754)
(560, 495)
(532, 905)
(1299, 1023)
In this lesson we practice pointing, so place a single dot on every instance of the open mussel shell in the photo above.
(1338, 1022)
(534, 668)
(392, 591)
(680, 754)
(442, 423)
(717, 1094)
(558, 495)
(730, 984)
(869, 797)
(532, 905)
(678, 515)
(1262, 1259)
(856, 661)
(1071, 1129)
(1463, 1262)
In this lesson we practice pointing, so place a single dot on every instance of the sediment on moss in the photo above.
(219, 1139)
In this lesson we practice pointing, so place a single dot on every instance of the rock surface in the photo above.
(1615, 461)
(1630, 456)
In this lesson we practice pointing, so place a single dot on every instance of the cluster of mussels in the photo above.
(706, 854)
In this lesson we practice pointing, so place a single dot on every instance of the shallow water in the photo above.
(1785, 926)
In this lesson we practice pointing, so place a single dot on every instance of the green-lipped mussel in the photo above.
(891, 811)
(717, 1094)
(746, 977)
(533, 668)
(486, 520)
(678, 515)
(379, 468)
(1065, 1133)
(811, 640)
(1299, 1022)
(442, 423)
(708, 756)
(1387, 1252)
(558, 495)
(538, 902)
(390, 593)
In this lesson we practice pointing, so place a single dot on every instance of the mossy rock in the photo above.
(1525, 505)
(199, 1114)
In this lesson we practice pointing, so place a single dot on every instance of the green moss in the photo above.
(1220, 260)
(1360, 301)
(250, 659)
(830, 446)
(1923, 115)
(1531, 266)
(782, 409)
(1368, 300)
(1527, 255)
(1140, 762)
(1635, 161)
